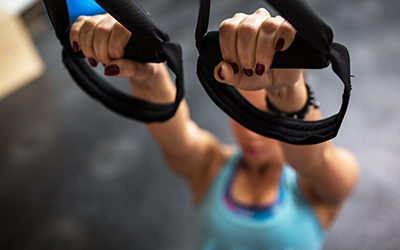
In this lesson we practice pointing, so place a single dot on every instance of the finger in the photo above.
(247, 39)
(285, 36)
(86, 38)
(227, 40)
(101, 39)
(265, 49)
(128, 68)
(118, 40)
(75, 31)
(224, 73)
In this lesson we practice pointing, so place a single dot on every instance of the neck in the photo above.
(267, 173)
(268, 167)
(256, 185)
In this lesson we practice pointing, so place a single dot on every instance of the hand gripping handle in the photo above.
(148, 43)
(299, 55)
(312, 48)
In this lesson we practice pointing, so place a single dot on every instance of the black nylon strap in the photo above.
(316, 52)
(148, 43)
(312, 48)
(306, 22)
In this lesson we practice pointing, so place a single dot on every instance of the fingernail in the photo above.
(92, 62)
(279, 44)
(235, 68)
(220, 74)
(248, 72)
(75, 47)
(260, 68)
(111, 70)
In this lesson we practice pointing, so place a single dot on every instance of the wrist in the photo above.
(301, 113)
(288, 99)
(157, 87)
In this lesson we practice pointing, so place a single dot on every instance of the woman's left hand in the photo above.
(248, 44)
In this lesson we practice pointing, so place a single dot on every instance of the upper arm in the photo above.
(327, 188)
(329, 172)
(194, 154)
(335, 178)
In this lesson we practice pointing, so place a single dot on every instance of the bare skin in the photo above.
(327, 174)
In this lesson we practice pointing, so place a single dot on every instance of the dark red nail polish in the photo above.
(260, 68)
(279, 44)
(92, 62)
(248, 72)
(235, 68)
(220, 74)
(75, 47)
(111, 70)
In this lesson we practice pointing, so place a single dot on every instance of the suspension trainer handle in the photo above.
(313, 48)
(148, 43)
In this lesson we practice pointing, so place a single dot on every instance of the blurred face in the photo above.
(257, 150)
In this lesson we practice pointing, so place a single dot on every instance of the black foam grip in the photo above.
(299, 55)
(139, 51)
(134, 50)
(136, 19)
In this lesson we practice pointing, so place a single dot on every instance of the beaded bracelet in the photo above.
(301, 114)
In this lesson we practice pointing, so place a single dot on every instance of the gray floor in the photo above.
(73, 175)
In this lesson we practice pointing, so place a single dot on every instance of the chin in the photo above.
(254, 159)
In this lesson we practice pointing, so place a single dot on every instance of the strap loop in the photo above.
(312, 48)
(148, 43)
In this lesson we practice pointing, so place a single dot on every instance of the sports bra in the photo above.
(292, 226)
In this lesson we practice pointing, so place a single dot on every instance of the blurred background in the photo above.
(74, 175)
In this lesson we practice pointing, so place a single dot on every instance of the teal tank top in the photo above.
(293, 226)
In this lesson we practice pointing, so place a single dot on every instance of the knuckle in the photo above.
(261, 11)
(102, 29)
(245, 60)
(88, 25)
(120, 29)
(247, 29)
(245, 63)
(270, 25)
(102, 56)
(227, 27)
(74, 31)
(115, 50)
(239, 15)
(81, 18)
(287, 27)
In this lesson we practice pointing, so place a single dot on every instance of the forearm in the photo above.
(291, 99)
(330, 171)
(183, 144)
(160, 89)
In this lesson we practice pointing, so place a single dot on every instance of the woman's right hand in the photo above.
(102, 40)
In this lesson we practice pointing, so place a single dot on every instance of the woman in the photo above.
(261, 193)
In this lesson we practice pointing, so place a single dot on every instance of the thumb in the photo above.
(224, 72)
(127, 68)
